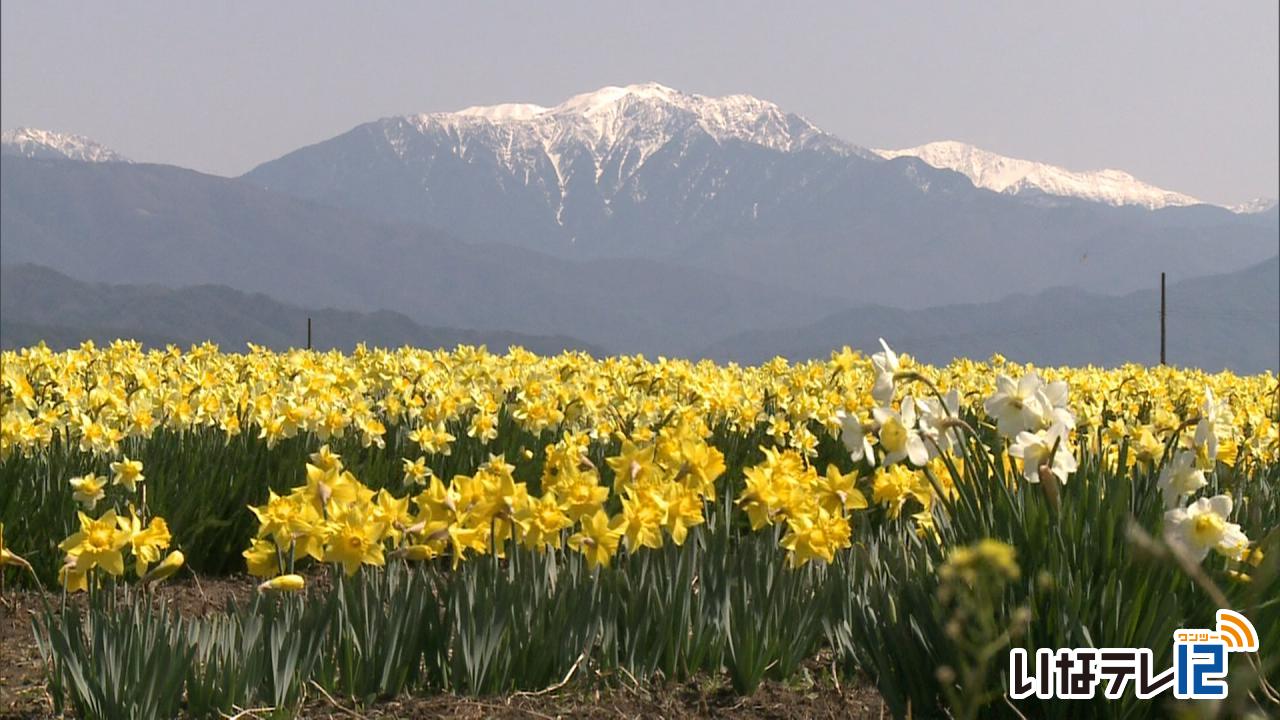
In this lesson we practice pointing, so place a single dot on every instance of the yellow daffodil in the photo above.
(354, 539)
(815, 537)
(98, 544)
(836, 491)
(544, 521)
(88, 489)
(171, 564)
(643, 518)
(262, 558)
(598, 538)
(128, 473)
(986, 560)
(148, 542)
(416, 472)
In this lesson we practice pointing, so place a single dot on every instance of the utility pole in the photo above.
(1162, 315)
(1161, 326)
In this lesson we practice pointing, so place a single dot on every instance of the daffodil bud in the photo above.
(9, 558)
(283, 583)
(1049, 485)
(417, 553)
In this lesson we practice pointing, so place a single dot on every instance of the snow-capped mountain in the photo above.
(739, 186)
(36, 143)
(1015, 176)
(608, 136)
(566, 171)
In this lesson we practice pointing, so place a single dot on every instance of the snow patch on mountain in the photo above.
(503, 113)
(1256, 205)
(36, 143)
(1015, 176)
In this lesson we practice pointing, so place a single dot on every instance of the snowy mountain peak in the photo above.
(607, 98)
(641, 117)
(1015, 176)
(36, 143)
(591, 103)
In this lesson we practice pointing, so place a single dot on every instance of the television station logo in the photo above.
(1199, 668)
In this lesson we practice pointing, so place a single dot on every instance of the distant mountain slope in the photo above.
(155, 224)
(37, 304)
(1015, 176)
(46, 144)
(16, 334)
(1223, 321)
(739, 186)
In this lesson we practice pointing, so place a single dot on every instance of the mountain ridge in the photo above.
(156, 224)
(1016, 176)
(1214, 322)
(41, 304)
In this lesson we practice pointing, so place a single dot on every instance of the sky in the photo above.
(1181, 94)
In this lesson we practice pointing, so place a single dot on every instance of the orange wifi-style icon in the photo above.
(1237, 632)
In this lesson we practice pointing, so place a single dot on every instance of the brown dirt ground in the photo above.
(815, 695)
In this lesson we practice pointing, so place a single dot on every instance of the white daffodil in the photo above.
(1054, 397)
(899, 437)
(853, 436)
(1035, 449)
(934, 417)
(1181, 477)
(1214, 410)
(886, 365)
(1014, 405)
(1028, 404)
(1214, 425)
(1202, 526)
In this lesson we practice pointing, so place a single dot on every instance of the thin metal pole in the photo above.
(1162, 315)
(309, 339)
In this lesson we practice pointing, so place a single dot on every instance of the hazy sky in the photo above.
(1181, 94)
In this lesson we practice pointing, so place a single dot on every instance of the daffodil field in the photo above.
(462, 521)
